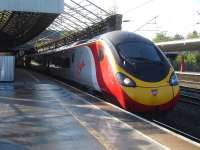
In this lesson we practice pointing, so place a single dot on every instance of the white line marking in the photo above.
(175, 129)
(147, 121)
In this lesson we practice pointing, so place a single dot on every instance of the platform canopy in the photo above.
(81, 19)
(180, 45)
(22, 20)
(21, 24)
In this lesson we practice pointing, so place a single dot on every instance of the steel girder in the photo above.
(17, 28)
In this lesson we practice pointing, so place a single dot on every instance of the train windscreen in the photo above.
(138, 51)
(143, 60)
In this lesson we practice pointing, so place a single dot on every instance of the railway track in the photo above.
(190, 95)
(190, 92)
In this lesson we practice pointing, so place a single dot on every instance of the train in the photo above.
(121, 64)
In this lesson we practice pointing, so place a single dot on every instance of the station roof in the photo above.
(180, 45)
(21, 30)
(18, 27)
(78, 16)
(21, 20)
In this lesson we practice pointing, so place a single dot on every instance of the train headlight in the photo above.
(125, 81)
(173, 80)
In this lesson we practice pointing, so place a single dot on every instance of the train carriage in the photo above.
(122, 64)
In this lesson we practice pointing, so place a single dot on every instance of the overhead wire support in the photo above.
(138, 29)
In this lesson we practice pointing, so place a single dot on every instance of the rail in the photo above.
(190, 95)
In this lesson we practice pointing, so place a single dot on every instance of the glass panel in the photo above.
(139, 51)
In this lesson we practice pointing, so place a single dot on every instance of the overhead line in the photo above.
(139, 6)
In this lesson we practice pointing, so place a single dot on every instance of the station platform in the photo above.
(189, 79)
(38, 112)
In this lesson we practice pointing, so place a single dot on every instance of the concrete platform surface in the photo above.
(37, 112)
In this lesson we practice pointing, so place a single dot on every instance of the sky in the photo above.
(169, 16)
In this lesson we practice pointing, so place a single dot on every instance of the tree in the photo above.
(178, 37)
(193, 35)
(161, 37)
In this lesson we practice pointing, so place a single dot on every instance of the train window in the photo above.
(138, 51)
(100, 54)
